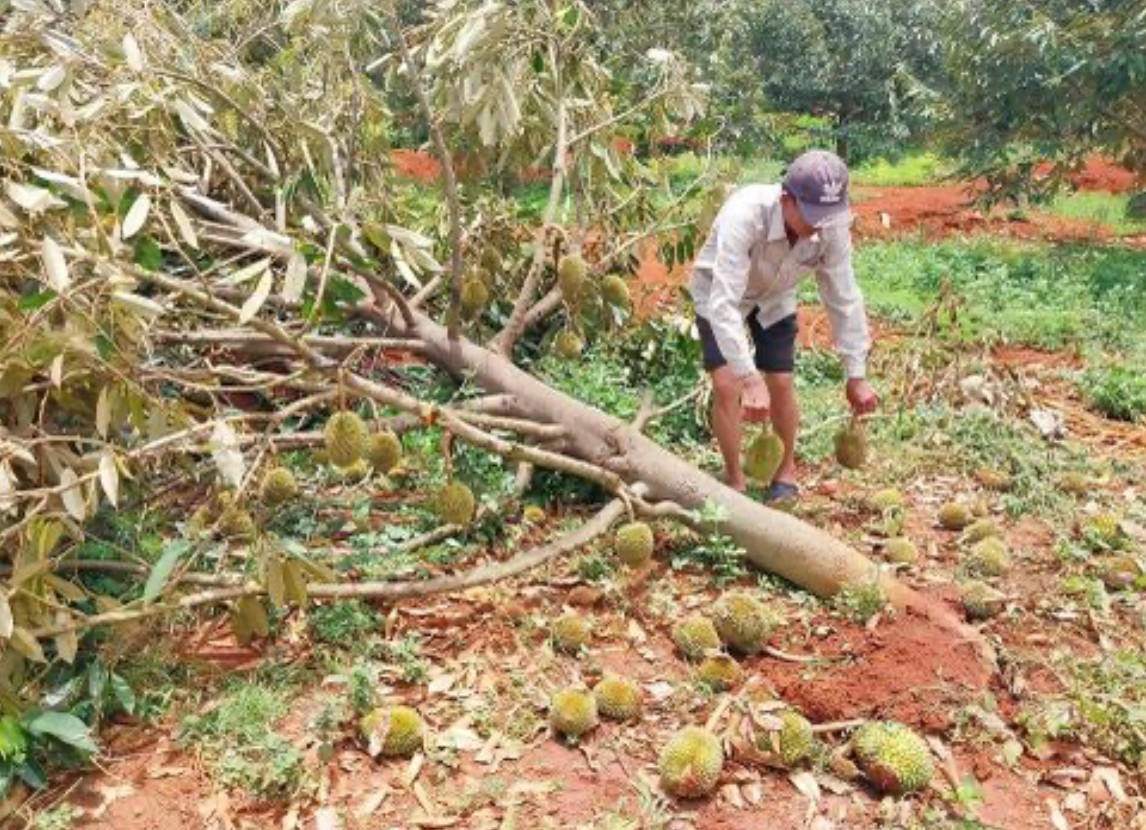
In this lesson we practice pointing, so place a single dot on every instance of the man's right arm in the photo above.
(735, 235)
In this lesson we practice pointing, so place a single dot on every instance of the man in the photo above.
(763, 241)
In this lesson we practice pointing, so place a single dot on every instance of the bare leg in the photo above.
(726, 424)
(785, 421)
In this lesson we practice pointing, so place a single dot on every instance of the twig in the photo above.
(324, 274)
(792, 658)
(837, 726)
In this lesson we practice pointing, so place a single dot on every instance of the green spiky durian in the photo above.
(358, 471)
(634, 543)
(980, 600)
(742, 622)
(851, 445)
(1075, 484)
(1119, 573)
(615, 291)
(866, 740)
(794, 739)
(573, 712)
(456, 504)
(201, 519)
(346, 439)
(534, 514)
(902, 551)
(889, 499)
(719, 672)
(989, 557)
(695, 636)
(571, 633)
(384, 451)
(763, 456)
(994, 479)
(618, 698)
(491, 260)
(475, 297)
(279, 487)
(394, 732)
(981, 529)
(571, 273)
(955, 516)
(568, 345)
(896, 760)
(690, 763)
(1105, 528)
(236, 524)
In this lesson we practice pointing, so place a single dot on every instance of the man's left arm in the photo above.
(844, 303)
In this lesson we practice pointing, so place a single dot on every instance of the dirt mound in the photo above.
(1100, 174)
(908, 669)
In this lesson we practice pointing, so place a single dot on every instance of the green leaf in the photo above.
(32, 774)
(538, 63)
(122, 694)
(147, 253)
(13, 739)
(65, 728)
(31, 302)
(163, 568)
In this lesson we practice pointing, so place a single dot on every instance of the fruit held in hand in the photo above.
(634, 544)
(573, 712)
(690, 763)
(763, 457)
(396, 732)
(456, 504)
(695, 636)
(346, 439)
(851, 445)
(618, 698)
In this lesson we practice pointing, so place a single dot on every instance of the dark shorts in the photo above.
(775, 345)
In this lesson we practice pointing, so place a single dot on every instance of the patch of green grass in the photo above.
(344, 623)
(859, 603)
(406, 654)
(1117, 392)
(1097, 206)
(909, 170)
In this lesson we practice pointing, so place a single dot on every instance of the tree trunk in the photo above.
(773, 540)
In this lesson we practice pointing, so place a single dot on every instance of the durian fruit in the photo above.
(719, 672)
(955, 516)
(763, 456)
(1075, 484)
(1105, 528)
(568, 345)
(794, 740)
(456, 504)
(279, 487)
(356, 472)
(572, 713)
(866, 740)
(979, 508)
(395, 732)
(618, 698)
(980, 530)
(201, 519)
(690, 763)
(1119, 572)
(980, 600)
(571, 633)
(491, 261)
(615, 291)
(634, 543)
(901, 550)
(895, 759)
(742, 622)
(571, 273)
(851, 445)
(989, 557)
(384, 451)
(475, 297)
(889, 499)
(994, 479)
(534, 514)
(236, 524)
(346, 438)
(695, 636)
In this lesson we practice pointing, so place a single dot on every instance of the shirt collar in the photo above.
(776, 231)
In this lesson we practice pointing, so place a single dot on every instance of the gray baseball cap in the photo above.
(819, 181)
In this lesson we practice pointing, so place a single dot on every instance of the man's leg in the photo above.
(785, 420)
(726, 423)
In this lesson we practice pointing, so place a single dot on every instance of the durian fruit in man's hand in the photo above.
(851, 445)
(763, 455)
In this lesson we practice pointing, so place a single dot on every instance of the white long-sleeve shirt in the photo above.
(748, 266)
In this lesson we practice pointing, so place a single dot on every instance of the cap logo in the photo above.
(831, 192)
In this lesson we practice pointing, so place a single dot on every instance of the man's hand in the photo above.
(755, 402)
(862, 397)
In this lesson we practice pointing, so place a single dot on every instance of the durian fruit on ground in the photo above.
(346, 439)
(763, 456)
(784, 738)
(989, 557)
(618, 698)
(1120, 572)
(895, 759)
(573, 712)
(719, 673)
(851, 445)
(1075, 484)
(1105, 529)
(690, 763)
(568, 345)
(358, 471)
(888, 499)
(901, 551)
(994, 479)
(456, 504)
(279, 487)
(384, 451)
(955, 515)
(981, 529)
(695, 636)
(743, 622)
(394, 732)
(571, 633)
(634, 543)
(980, 600)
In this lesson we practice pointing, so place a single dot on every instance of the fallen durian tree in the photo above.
(198, 203)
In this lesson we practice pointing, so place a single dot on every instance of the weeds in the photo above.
(859, 603)
(344, 623)
(1117, 392)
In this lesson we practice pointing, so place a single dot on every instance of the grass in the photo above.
(1117, 392)
(1096, 206)
(910, 170)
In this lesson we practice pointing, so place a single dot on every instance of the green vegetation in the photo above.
(1116, 391)
(1108, 209)
(913, 169)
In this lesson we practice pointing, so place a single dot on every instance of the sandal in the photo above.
(781, 491)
